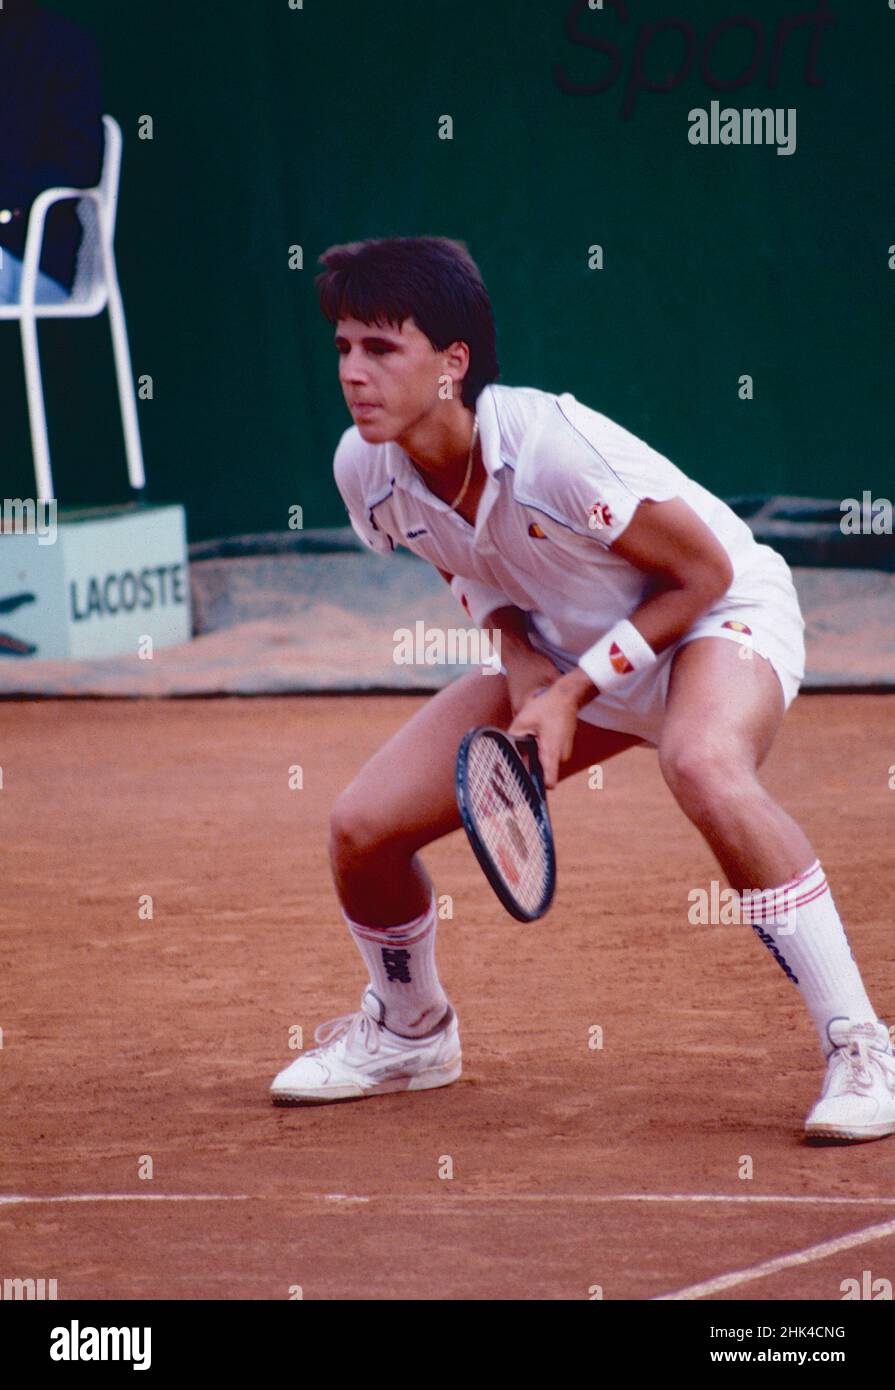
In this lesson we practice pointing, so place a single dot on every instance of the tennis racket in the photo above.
(503, 806)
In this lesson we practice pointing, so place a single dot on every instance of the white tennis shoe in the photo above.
(358, 1057)
(858, 1098)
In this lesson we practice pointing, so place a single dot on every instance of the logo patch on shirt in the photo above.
(420, 531)
(620, 662)
(599, 516)
(535, 530)
(737, 627)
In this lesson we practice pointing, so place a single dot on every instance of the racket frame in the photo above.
(534, 777)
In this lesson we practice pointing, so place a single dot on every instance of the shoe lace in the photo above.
(348, 1026)
(855, 1057)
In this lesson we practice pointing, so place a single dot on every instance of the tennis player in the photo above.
(634, 607)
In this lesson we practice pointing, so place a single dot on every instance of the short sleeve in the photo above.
(479, 600)
(361, 509)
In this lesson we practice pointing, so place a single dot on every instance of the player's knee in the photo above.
(699, 775)
(353, 829)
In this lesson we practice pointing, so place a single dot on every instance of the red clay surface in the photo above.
(124, 1038)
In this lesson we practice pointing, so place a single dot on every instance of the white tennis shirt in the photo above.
(563, 483)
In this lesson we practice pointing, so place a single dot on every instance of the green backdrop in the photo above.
(276, 126)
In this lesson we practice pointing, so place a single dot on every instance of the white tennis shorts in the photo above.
(769, 625)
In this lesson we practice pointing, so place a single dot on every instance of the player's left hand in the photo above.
(551, 715)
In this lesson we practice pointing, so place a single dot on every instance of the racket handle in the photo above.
(529, 746)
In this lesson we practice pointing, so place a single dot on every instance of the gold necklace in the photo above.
(462, 493)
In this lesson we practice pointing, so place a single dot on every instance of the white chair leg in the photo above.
(37, 415)
(124, 372)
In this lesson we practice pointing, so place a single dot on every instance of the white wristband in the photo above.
(477, 598)
(620, 653)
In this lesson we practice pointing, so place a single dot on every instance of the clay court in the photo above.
(573, 1166)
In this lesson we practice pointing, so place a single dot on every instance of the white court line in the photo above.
(584, 1197)
(694, 1291)
(125, 1197)
(408, 1198)
(798, 1257)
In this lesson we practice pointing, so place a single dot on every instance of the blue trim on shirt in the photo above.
(554, 516)
(382, 497)
(593, 446)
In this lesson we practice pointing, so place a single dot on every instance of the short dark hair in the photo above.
(430, 279)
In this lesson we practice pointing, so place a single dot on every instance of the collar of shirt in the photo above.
(405, 475)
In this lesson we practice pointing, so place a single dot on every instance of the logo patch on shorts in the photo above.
(737, 627)
(535, 530)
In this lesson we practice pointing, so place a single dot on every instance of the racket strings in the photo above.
(507, 823)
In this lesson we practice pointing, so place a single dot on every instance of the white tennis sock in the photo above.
(401, 962)
(800, 926)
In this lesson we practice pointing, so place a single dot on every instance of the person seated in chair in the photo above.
(51, 119)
